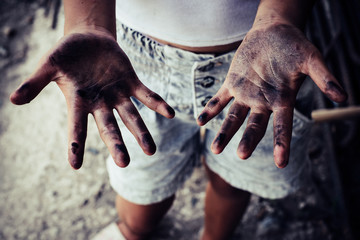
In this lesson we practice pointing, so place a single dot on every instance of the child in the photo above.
(195, 56)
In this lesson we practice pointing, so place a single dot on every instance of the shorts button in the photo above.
(207, 82)
(206, 68)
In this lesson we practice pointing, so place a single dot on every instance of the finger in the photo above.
(154, 102)
(254, 132)
(30, 88)
(321, 75)
(110, 134)
(215, 105)
(133, 121)
(283, 119)
(234, 119)
(77, 129)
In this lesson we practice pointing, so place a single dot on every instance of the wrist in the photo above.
(90, 15)
(289, 12)
(86, 29)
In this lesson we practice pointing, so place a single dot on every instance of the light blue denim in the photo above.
(186, 81)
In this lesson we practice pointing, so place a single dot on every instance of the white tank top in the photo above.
(194, 23)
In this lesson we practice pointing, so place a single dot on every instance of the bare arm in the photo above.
(295, 12)
(95, 14)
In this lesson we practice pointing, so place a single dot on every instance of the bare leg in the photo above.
(139, 221)
(224, 207)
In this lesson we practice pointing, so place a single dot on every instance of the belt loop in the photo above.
(193, 88)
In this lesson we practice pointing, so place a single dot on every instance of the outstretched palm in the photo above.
(265, 76)
(95, 77)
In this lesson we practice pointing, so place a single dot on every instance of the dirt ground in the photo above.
(41, 197)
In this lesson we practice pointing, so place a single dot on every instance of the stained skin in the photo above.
(95, 77)
(264, 78)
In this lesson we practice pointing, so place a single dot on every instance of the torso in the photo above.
(212, 26)
(210, 49)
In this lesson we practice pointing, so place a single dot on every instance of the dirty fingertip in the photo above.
(243, 156)
(75, 163)
(337, 94)
(202, 118)
(122, 162)
(242, 152)
(217, 145)
(170, 111)
(17, 99)
(215, 148)
(20, 95)
(75, 155)
(281, 156)
(122, 158)
(148, 144)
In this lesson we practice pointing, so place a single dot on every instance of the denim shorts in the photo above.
(186, 81)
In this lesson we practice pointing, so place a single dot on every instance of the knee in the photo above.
(139, 221)
(134, 230)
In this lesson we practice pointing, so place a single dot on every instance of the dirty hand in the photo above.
(264, 77)
(95, 77)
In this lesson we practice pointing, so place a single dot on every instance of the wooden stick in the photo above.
(324, 115)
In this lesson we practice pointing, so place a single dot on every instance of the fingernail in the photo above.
(23, 89)
(202, 117)
(245, 141)
(121, 148)
(282, 157)
(125, 155)
(170, 111)
(242, 153)
(244, 147)
(282, 163)
(337, 89)
(76, 164)
(220, 139)
(20, 96)
(148, 141)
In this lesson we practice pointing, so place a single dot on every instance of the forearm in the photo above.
(294, 12)
(90, 14)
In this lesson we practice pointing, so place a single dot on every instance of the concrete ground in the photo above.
(41, 197)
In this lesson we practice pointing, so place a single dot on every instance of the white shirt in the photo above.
(194, 23)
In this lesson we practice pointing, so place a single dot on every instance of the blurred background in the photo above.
(41, 197)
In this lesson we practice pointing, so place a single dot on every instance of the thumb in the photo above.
(321, 75)
(31, 87)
